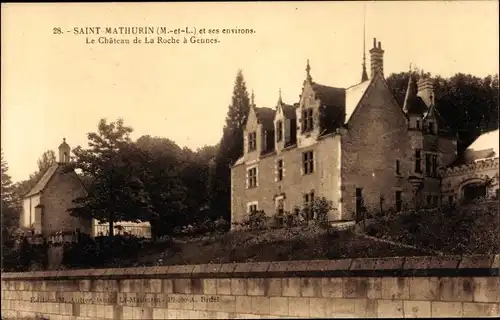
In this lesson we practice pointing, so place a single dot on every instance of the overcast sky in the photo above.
(56, 86)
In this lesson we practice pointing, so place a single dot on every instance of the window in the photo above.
(428, 165)
(308, 200)
(252, 141)
(431, 127)
(307, 120)
(279, 131)
(279, 165)
(418, 124)
(399, 201)
(429, 200)
(359, 203)
(434, 166)
(418, 161)
(252, 208)
(252, 177)
(397, 167)
(280, 206)
(308, 162)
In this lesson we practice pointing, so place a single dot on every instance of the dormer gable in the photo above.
(251, 139)
(321, 108)
(285, 125)
(265, 121)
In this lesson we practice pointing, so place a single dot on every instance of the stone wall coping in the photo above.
(448, 266)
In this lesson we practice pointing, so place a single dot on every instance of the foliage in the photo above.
(99, 251)
(471, 229)
(230, 148)
(116, 192)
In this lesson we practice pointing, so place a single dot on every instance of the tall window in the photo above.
(252, 178)
(428, 165)
(359, 203)
(252, 141)
(399, 201)
(279, 130)
(308, 201)
(397, 167)
(307, 120)
(418, 124)
(418, 161)
(280, 206)
(434, 166)
(279, 167)
(308, 162)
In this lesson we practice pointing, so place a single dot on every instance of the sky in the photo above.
(56, 86)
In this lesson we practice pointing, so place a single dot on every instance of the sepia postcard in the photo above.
(250, 160)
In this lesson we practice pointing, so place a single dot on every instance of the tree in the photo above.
(10, 214)
(230, 147)
(163, 166)
(6, 182)
(114, 164)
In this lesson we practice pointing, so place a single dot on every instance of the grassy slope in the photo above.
(473, 229)
(470, 230)
(273, 245)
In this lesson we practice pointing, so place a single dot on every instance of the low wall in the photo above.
(449, 286)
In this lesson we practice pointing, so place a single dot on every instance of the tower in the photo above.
(64, 151)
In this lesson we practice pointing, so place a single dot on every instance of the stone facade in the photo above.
(361, 288)
(367, 150)
(45, 205)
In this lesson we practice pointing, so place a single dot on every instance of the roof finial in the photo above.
(308, 71)
(64, 139)
(280, 101)
(364, 75)
(252, 99)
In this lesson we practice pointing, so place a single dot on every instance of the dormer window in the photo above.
(431, 127)
(279, 131)
(307, 120)
(252, 141)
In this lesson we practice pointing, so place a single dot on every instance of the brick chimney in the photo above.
(425, 87)
(376, 58)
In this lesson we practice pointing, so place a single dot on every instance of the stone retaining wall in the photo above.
(441, 286)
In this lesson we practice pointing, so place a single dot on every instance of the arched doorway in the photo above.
(473, 191)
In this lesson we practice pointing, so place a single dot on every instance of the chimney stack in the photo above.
(425, 87)
(376, 58)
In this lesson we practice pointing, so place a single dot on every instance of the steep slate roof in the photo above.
(329, 96)
(289, 111)
(433, 112)
(413, 104)
(266, 117)
(42, 183)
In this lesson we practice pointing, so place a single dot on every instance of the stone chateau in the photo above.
(357, 147)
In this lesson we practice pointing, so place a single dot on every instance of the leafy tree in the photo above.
(230, 147)
(6, 182)
(10, 217)
(163, 166)
(116, 191)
